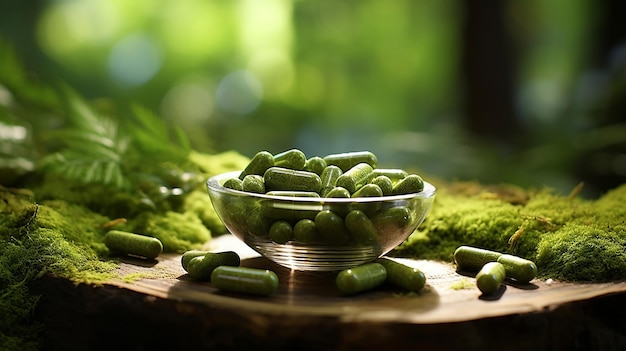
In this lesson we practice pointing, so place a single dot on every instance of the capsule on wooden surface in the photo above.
(133, 244)
(490, 277)
(361, 278)
(245, 280)
(403, 276)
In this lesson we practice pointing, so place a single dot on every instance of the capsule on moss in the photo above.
(490, 277)
(361, 278)
(245, 280)
(403, 276)
(133, 244)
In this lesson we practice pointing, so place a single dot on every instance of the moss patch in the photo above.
(569, 238)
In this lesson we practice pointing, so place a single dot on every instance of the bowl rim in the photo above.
(213, 184)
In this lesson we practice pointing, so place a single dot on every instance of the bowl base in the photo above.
(314, 258)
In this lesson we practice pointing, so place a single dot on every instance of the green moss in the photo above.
(569, 238)
(178, 232)
(37, 240)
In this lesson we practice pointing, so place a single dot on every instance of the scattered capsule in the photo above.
(261, 161)
(490, 277)
(292, 159)
(278, 178)
(391, 173)
(403, 276)
(201, 267)
(188, 255)
(253, 183)
(245, 280)
(472, 259)
(305, 231)
(133, 244)
(347, 160)
(329, 178)
(520, 269)
(281, 232)
(234, 183)
(412, 183)
(384, 183)
(316, 165)
(355, 177)
(361, 228)
(365, 277)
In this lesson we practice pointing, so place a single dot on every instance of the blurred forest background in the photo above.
(522, 91)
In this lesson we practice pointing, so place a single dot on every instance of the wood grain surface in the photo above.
(157, 298)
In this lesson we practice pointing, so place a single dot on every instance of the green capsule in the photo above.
(278, 178)
(315, 164)
(367, 190)
(365, 277)
(289, 210)
(331, 227)
(261, 161)
(253, 183)
(258, 224)
(403, 276)
(472, 259)
(292, 159)
(338, 192)
(133, 244)
(520, 269)
(361, 228)
(245, 280)
(384, 183)
(391, 219)
(281, 232)
(201, 267)
(329, 179)
(234, 183)
(347, 160)
(393, 174)
(305, 231)
(188, 255)
(408, 185)
(490, 277)
(355, 177)
(289, 193)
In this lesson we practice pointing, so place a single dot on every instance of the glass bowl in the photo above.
(338, 239)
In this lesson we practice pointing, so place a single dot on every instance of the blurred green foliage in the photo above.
(327, 76)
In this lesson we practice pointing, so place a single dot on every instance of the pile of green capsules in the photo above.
(493, 267)
(224, 272)
(343, 175)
